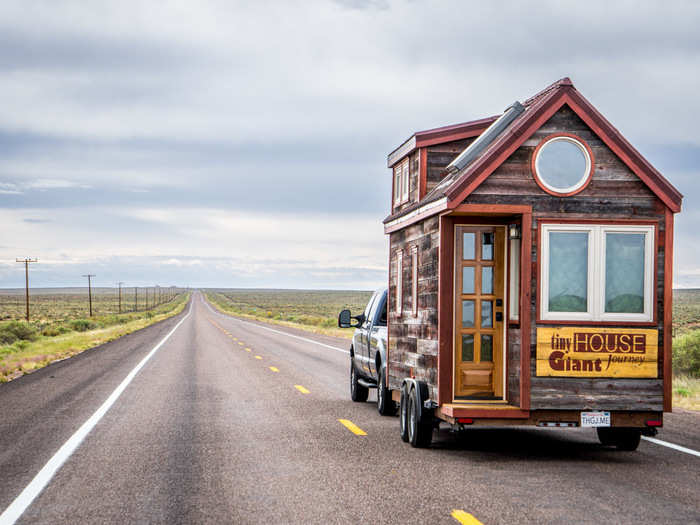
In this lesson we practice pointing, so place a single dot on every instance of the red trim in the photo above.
(540, 183)
(423, 173)
(612, 222)
(668, 312)
(536, 115)
(525, 305)
(445, 309)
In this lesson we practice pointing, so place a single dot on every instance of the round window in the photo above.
(562, 165)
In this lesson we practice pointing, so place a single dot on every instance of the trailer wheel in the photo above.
(420, 433)
(403, 414)
(358, 393)
(385, 405)
(621, 438)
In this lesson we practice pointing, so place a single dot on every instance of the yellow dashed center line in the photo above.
(248, 350)
(274, 369)
(301, 389)
(240, 343)
(465, 518)
(352, 427)
(258, 357)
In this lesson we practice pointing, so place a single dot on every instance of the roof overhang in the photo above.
(423, 212)
(431, 137)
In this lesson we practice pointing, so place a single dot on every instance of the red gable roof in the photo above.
(539, 108)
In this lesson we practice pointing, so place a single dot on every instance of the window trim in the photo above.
(582, 183)
(597, 231)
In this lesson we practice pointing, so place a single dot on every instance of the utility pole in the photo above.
(136, 299)
(120, 295)
(26, 262)
(90, 276)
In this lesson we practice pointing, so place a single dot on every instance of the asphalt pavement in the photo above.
(234, 421)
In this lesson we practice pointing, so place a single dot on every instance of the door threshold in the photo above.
(486, 402)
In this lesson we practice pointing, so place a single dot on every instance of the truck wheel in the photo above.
(621, 438)
(385, 405)
(358, 393)
(403, 415)
(420, 434)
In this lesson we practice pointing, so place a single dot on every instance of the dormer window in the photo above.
(401, 182)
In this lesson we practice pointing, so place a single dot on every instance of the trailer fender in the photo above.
(422, 395)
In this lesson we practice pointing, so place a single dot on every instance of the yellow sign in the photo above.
(597, 352)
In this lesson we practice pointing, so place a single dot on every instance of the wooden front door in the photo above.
(479, 312)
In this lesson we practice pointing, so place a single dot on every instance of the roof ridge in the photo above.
(565, 81)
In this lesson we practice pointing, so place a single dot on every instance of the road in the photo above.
(232, 421)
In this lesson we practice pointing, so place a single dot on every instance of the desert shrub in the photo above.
(686, 354)
(53, 331)
(82, 325)
(17, 330)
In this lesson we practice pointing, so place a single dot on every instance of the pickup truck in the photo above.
(368, 352)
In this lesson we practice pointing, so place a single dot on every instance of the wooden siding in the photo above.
(413, 341)
(439, 156)
(615, 193)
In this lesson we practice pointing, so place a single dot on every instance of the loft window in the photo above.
(562, 164)
(401, 182)
(597, 273)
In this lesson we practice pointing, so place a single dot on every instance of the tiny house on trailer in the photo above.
(530, 274)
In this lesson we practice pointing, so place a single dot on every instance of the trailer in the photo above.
(530, 278)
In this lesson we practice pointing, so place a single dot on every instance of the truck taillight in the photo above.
(654, 423)
(465, 420)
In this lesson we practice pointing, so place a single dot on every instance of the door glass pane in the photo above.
(568, 271)
(486, 347)
(468, 347)
(487, 279)
(487, 246)
(486, 314)
(468, 314)
(468, 249)
(468, 279)
(624, 272)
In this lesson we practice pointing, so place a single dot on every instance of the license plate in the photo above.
(595, 419)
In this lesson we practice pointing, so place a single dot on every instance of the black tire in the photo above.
(621, 438)
(403, 415)
(385, 405)
(358, 393)
(420, 433)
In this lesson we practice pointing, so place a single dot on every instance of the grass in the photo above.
(686, 392)
(312, 310)
(37, 348)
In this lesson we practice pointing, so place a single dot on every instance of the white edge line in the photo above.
(673, 446)
(273, 330)
(31, 491)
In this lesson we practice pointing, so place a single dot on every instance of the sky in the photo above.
(244, 144)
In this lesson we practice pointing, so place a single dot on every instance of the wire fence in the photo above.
(53, 304)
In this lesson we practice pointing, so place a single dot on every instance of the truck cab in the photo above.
(368, 351)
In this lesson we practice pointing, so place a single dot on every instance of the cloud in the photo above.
(166, 132)
(36, 221)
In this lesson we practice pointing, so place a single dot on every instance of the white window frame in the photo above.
(414, 281)
(401, 182)
(399, 282)
(406, 179)
(596, 273)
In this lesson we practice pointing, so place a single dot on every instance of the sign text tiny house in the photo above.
(597, 352)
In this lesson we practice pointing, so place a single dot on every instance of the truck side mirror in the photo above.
(344, 319)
